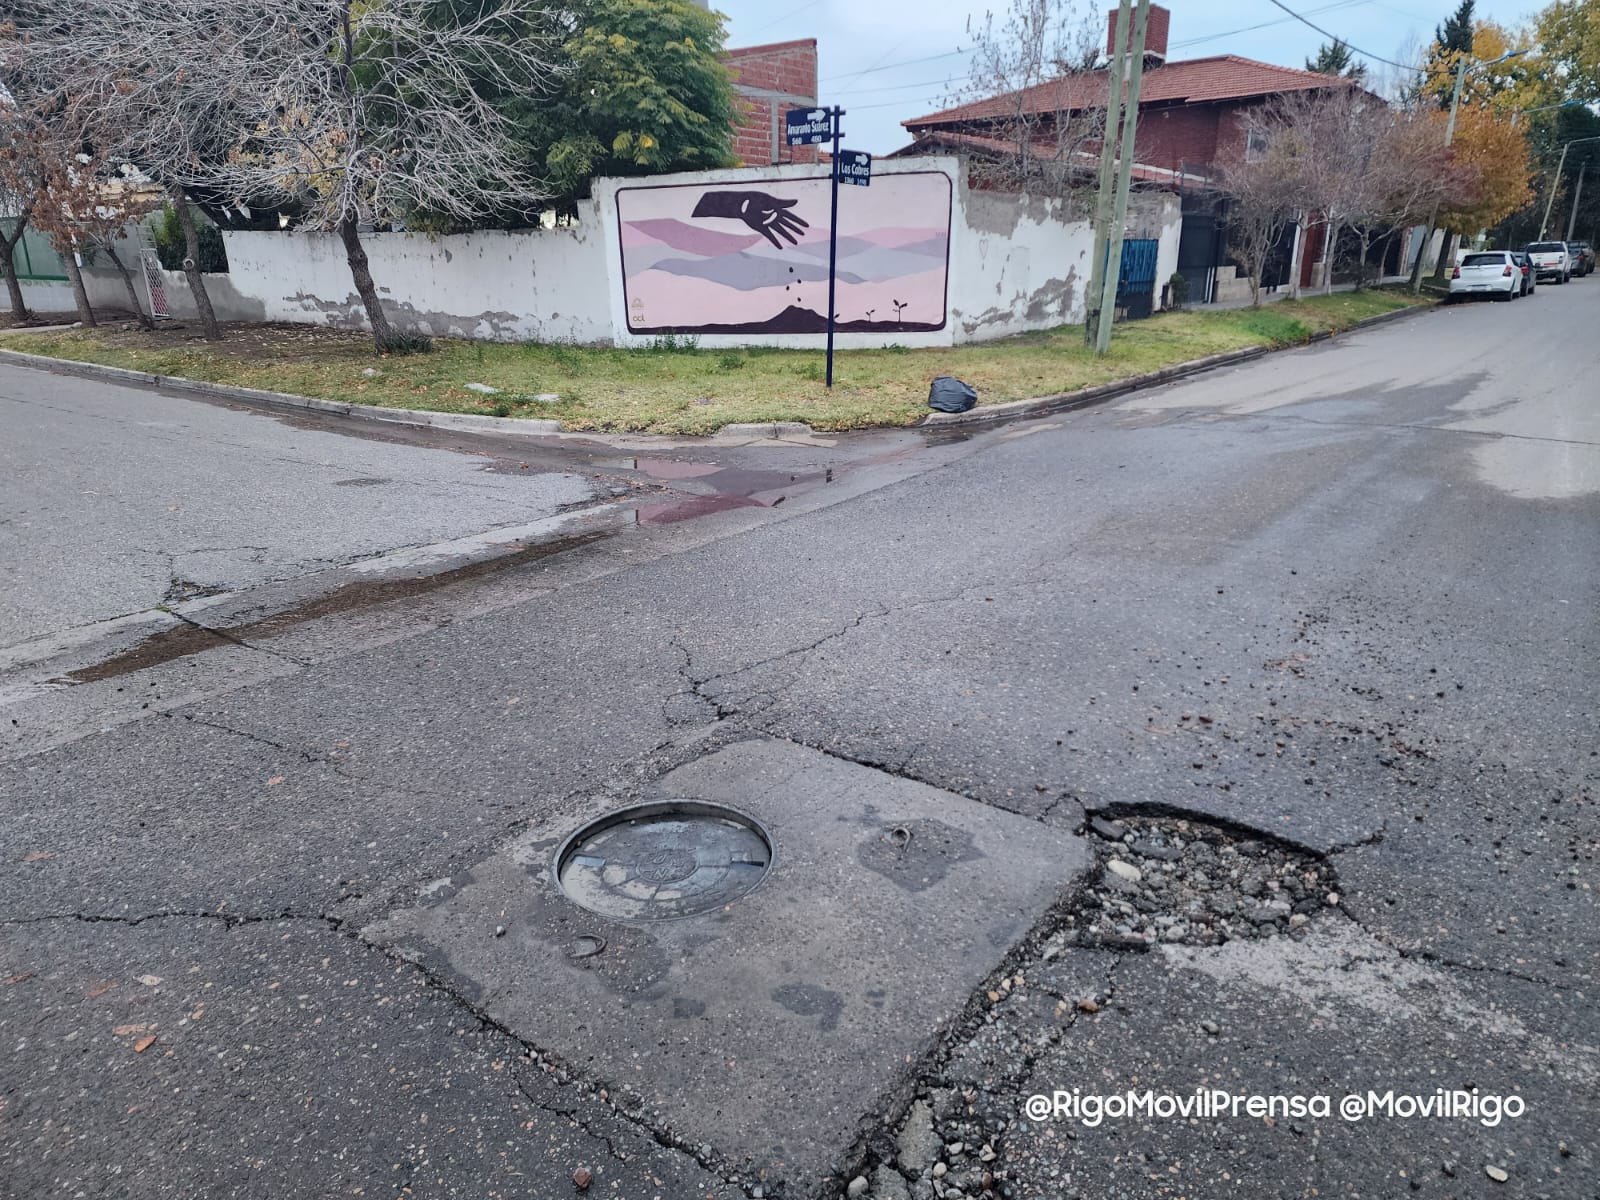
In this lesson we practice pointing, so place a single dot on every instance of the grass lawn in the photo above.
(678, 389)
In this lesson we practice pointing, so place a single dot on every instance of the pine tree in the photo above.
(1451, 39)
(1336, 58)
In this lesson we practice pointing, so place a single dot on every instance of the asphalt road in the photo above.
(118, 500)
(1321, 633)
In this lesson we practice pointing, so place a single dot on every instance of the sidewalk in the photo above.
(1282, 293)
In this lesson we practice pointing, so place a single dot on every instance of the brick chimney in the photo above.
(1155, 36)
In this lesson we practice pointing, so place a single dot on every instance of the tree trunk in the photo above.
(1328, 254)
(127, 281)
(1445, 249)
(1361, 267)
(19, 306)
(79, 293)
(361, 275)
(1302, 228)
(191, 264)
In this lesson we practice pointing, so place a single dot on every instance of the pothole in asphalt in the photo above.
(1189, 882)
(654, 862)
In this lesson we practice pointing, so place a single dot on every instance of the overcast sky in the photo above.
(889, 60)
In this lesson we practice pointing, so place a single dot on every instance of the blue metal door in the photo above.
(1136, 283)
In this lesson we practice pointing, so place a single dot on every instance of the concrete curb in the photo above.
(749, 432)
(1085, 397)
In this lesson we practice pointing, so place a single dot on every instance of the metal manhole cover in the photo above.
(654, 862)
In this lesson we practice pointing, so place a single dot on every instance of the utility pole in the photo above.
(1119, 218)
(1577, 197)
(1555, 183)
(1108, 154)
(1433, 217)
(1450, 136)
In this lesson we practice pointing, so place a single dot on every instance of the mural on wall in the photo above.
(753, 257)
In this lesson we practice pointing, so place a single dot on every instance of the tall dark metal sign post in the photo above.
(812, 127)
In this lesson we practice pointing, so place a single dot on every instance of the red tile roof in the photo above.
(932, 140)
(1192, 81)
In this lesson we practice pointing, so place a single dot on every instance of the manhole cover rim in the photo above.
(678, 806)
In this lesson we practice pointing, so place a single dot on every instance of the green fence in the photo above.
(34, 258)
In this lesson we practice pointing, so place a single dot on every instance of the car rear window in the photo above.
(1483, 260)
(1546, 248)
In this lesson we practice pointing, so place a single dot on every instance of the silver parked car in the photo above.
(1494, 274)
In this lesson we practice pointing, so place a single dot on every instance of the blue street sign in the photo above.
(855, 166)
(808, 126)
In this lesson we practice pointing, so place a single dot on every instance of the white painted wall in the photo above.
(1022, 267)
(548, 284)
(105, 289)
(1015, 265)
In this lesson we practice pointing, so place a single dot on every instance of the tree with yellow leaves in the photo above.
(1493, 153)
(1569, 38)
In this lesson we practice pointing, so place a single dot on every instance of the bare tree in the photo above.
(146, 96)
(1031, 69)
(356, 113)
(370, 112)
(16, 209)
(1262, 197)
(1321, 137)
(40, 171)
(1408, 173)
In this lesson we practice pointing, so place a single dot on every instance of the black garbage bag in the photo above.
(949, 394)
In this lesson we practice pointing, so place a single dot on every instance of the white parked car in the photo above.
(1551, 260)
(1490, 273)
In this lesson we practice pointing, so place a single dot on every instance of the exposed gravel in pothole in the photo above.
(1173, 880)
(1159, 879)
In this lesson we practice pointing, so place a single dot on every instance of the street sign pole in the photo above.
(833, 232)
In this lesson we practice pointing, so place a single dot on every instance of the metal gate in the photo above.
(155, 285)
(1199, 245)
(1136, 283)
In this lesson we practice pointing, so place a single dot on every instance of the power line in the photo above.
(1388, 62)
(906, 63)
(1212, 37)
(902, 87)
(793, 12)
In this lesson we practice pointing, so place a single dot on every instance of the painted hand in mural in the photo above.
(767, 215)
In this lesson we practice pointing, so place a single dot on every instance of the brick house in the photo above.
(770, 80)
(1194, 114)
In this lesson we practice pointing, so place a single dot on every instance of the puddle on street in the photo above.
(689, 507)
(668, 468)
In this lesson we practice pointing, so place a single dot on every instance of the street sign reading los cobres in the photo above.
(808, 126)
(855, 166)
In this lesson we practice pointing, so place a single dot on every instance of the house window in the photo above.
(1255, 144)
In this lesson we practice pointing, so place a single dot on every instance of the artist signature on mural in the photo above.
(767, 215)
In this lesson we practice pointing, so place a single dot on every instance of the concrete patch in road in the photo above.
(773, 1028)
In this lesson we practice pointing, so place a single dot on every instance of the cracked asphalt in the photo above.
(1337, 606)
